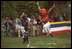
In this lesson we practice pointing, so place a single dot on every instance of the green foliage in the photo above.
(14, 9)
(67, 10)
(7, 9)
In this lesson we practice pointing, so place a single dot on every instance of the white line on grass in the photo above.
(29, 46)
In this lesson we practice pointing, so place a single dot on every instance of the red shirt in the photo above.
(45, 17)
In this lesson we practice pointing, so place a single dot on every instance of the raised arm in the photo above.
(51, 8)
(38, 6)
(22, 15)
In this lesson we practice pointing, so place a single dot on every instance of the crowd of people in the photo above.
(33, 24)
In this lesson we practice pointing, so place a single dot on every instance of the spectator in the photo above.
(7, 25)
(29, 19)
(52, 18)
(56, 19)
(64, 16)
(60, 18)
(29, 25)
(34, 28)
(3, 28)
(39, 25)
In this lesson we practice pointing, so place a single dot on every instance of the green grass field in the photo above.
(59, 41)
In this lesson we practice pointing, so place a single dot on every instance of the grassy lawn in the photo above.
(59, 41)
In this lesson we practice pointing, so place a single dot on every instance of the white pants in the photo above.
(46, 28)
(20, 28)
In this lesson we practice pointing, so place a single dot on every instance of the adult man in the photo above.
(7, 25)
(45, 17)
(25, 21)
(39, 25)
(34, 27)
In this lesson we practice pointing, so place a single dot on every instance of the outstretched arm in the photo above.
(38, 6)
(51, 8)
(22, 15)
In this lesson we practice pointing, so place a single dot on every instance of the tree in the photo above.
(14, 9)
